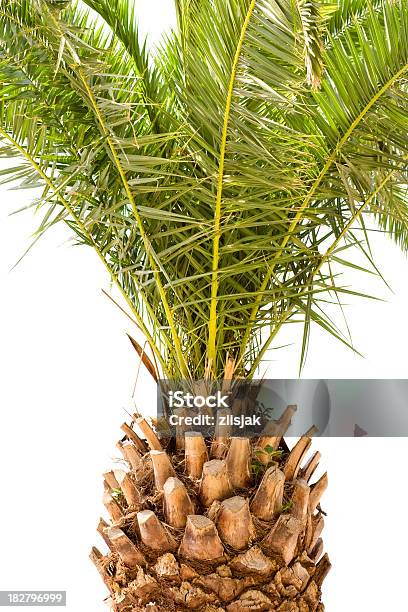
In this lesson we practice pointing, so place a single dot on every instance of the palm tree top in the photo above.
(225, 180)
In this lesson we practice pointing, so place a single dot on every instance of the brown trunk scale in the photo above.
(214, 525)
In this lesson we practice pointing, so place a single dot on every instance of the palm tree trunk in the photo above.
(192, 532)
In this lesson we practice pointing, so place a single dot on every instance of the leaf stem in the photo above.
(212, 328)
(156, 272)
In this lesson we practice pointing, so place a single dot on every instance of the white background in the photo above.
(67, 372)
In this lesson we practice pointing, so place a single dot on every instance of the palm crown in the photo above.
(222, 180)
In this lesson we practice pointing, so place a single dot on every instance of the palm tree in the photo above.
(224, 183)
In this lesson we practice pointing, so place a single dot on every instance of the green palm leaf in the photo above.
(223, 179)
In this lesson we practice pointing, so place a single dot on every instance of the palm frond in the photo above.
(120, 16)
(223, 180)
(311, 25)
